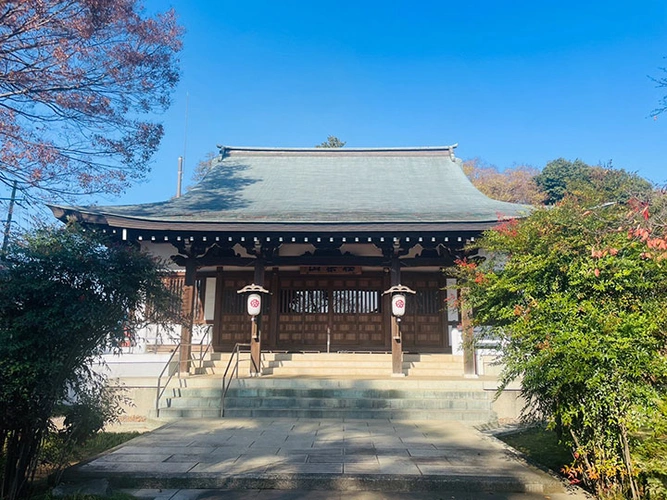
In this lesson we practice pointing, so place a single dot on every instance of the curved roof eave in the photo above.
(318, 188)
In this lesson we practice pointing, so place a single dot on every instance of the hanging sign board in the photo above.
(330, 270)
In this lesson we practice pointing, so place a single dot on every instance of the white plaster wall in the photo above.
(163, 251)
(209, 299)
(136, 365)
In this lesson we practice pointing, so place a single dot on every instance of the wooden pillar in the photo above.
(274, 310)
(386, 309)
(216, 338)
(396, 349)
(188, 310)
(467, 337)
(256, 330)
(396, 340)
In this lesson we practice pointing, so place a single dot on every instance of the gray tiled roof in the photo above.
(404, 185)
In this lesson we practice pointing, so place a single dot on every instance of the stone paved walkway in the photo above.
(338, 495)
(261, 455)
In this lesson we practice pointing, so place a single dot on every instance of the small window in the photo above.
(304, 301)
(356, 301)
(428, 302)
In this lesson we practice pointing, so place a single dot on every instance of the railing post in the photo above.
(157, 399)
(236, 354)
(160, 389)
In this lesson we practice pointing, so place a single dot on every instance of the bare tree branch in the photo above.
(79, 80)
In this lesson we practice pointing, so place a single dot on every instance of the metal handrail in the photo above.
(161, 389)
(159, 378)
(203, 354)
(236, 353)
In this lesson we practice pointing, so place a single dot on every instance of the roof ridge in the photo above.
(324, 150)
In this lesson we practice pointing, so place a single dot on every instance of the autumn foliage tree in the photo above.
(577, 293)
(516, 185)
(80, 81)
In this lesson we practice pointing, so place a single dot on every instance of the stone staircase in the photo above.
(335, 385)
(335, 365)
(356, 399)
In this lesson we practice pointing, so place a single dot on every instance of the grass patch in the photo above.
(100, 442)
(81, 496)
(53, 462)
(56, 453)
(540, 445)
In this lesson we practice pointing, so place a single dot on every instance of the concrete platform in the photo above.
(318, 456)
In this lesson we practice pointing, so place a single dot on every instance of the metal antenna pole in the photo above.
(10, 212)
(185, 131)
(181, 159)
(180, 177)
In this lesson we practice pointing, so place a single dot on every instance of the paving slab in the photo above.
(192, 459)
(332, 495)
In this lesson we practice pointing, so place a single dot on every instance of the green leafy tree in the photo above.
(331, 142)
(607, 184)
(65, 296)
(560, 177)
(577, 294)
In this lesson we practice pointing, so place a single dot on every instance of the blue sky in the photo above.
(512, 82)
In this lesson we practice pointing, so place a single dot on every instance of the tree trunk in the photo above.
(627, 458)
(20, 462)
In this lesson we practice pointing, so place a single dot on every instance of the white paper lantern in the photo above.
(254, 304)
(398, 305)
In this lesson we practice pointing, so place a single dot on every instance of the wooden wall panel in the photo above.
(349, 308)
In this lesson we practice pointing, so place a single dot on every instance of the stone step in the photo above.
(318, 398)
(211, 367)
(433, 372)
(342, 365)
(454, 383)
(330, 363)
(335, 385)
(191, 402)
(351, 399)
(337, 364)
(175, 413)
(393, 414)
(295, 371)
(220, 358)
(382, 414)
(333, 370)
(320, 392)
(349, 393)
(353, 403)
(332, 403)
(386, 382)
